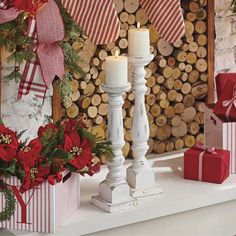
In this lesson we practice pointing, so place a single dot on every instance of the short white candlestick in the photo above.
(114, 192)
(140, 176)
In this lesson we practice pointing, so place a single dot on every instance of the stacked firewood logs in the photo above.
(176, 80)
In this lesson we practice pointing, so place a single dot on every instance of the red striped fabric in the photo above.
(167, 17)
(98, 19)
(32, 80)
(3, 4)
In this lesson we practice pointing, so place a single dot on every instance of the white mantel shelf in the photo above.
(179, 196)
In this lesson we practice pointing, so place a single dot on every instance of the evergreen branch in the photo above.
(104, 148)
(14, 75)
(65, 86)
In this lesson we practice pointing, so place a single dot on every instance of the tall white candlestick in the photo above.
(116, 70)
(139, 42)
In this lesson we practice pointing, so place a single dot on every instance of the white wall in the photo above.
(225, 26)
(26, 114)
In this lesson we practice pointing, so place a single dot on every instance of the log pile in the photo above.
(176, 80)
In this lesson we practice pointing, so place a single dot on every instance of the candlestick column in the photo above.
(140, 176)
(114, 192)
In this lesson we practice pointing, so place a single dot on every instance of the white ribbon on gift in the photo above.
(201, 155)
(230, 103)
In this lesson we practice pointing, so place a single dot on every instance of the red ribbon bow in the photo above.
(230, 103)
(205, 148)
(49, 31)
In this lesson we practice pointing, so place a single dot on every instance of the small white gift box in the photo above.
(221, 135)
(44, 208)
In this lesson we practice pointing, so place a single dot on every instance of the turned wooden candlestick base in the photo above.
(114, 192)
(140, 176)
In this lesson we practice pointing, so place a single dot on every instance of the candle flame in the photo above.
(138, 25)
(116, 53)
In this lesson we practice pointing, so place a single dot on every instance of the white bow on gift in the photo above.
(204, 149)
(230, 103)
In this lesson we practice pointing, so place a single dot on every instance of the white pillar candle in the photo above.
(116, 70)
(139, 42)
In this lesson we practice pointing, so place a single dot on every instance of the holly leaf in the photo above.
(60, 154)
(12, 168)
(71, 168)
(1, 122)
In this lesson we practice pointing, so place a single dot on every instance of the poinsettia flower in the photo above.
(48, 129)
(34, 176)
(28, 155)
(80, 149)
(72, 124)
(8, 143)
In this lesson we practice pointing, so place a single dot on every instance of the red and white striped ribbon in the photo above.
(32, 80)
(3, 4)
(98, 19)
(167, 17)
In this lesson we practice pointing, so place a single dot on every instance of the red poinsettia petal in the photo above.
(75, 138)
(36, 146)
(53, 179)
(78, 163)
(26, 159)
(68, 143)
(26, 185)
(6, 154)
(46, 128)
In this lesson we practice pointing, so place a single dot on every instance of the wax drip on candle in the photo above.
(138, 25)
(116, 53)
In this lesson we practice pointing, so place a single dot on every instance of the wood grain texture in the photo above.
(179, 79)
(211, 48)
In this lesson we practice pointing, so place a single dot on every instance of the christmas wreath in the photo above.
(66, 145)
(29, 29)
(10, 202)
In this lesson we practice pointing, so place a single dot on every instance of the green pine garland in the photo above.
(14, 39)
(10, 203)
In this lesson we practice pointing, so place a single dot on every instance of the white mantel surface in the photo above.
(179, 196)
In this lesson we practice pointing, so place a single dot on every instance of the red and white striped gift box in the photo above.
(221, 135)
(44, 208)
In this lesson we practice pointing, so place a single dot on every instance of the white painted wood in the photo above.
(114, 190)
(140, 177)
(179, 196)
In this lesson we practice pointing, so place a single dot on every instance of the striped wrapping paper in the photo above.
(221, 135)
(47, 206)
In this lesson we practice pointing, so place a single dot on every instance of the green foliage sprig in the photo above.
(10, 203)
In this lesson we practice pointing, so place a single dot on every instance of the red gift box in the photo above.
(225, 107)
(203, 165)
(221, 80)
